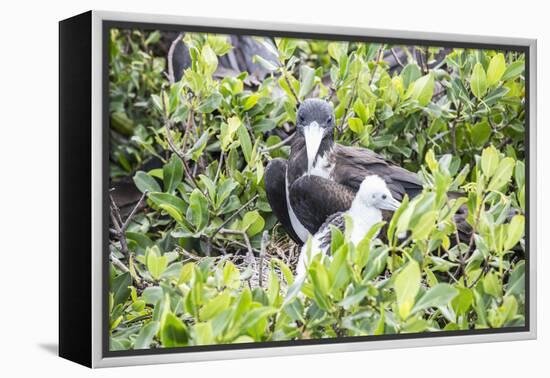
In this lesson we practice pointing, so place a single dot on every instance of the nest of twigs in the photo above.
(255, 265)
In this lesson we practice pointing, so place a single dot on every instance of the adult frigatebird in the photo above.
(321, 177)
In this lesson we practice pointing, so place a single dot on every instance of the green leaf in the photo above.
(437, 296)
(496, 69)
(423, 89)
(146, 334)
(172, 211)
(519, 173)
(478, 81)
(246, 144)
(250, 101)
(481, 133)
(252, 223)
(209, 60)
(515, 229)
(463, 301)
(489, 161)
(228, 130)
(219, 43)
(120, 288)
(267, 64)
(495, 95)
(400, 220)
(211, 103)
(215, 306)
(356, 125)
(513, 70)
(337, 50)
(410, 74)
(156, 264)
(516, 283)
(431, 160)
(320, 281)
(492, 285)
(503, 174)
(173, 332)
(172, 173)
(197, 212)
(425, 225)
(354, 297)
(407, 285)
(146, 183)
(160, 199)
(231, 275)
(196, 151)
(256, 315)
(307, 81)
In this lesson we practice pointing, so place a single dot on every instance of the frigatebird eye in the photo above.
(384, 196)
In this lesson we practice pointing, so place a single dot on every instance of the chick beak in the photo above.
(390, 203)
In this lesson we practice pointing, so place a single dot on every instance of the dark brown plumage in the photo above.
(315, 198)
(276, 194)
(352, 164)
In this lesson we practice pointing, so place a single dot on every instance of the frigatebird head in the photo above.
(374, 192)
(315, 122)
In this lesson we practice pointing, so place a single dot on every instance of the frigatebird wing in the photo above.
(353, 164)
(314, 199)
(275, 188)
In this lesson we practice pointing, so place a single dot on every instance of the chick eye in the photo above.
(384, 196)
(329, 119)
(301, 118)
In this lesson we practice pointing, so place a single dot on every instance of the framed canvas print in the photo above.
(235, 189)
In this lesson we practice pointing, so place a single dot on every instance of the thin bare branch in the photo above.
(396, 57)
(133, 212)
(230, 218)
(278, 145)
(118, 264)
(171, 76)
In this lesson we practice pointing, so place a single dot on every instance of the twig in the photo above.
(425, 59)
(133, 212)
(233, 216)
(396, 57)
(117, 222)
(187, 254)
(190, 121)
(453, 131)
(278, 145)
(378, 59)
(342, 125)
(218, 171)
(170, 139)
(138, 319)
(284, 73)
(246, 240)
(118, 264)
(483, 271)
(171, 76)
(120, 226)
(461, 259)
(265, 240)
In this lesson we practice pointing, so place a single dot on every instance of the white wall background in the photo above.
(29, 189)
